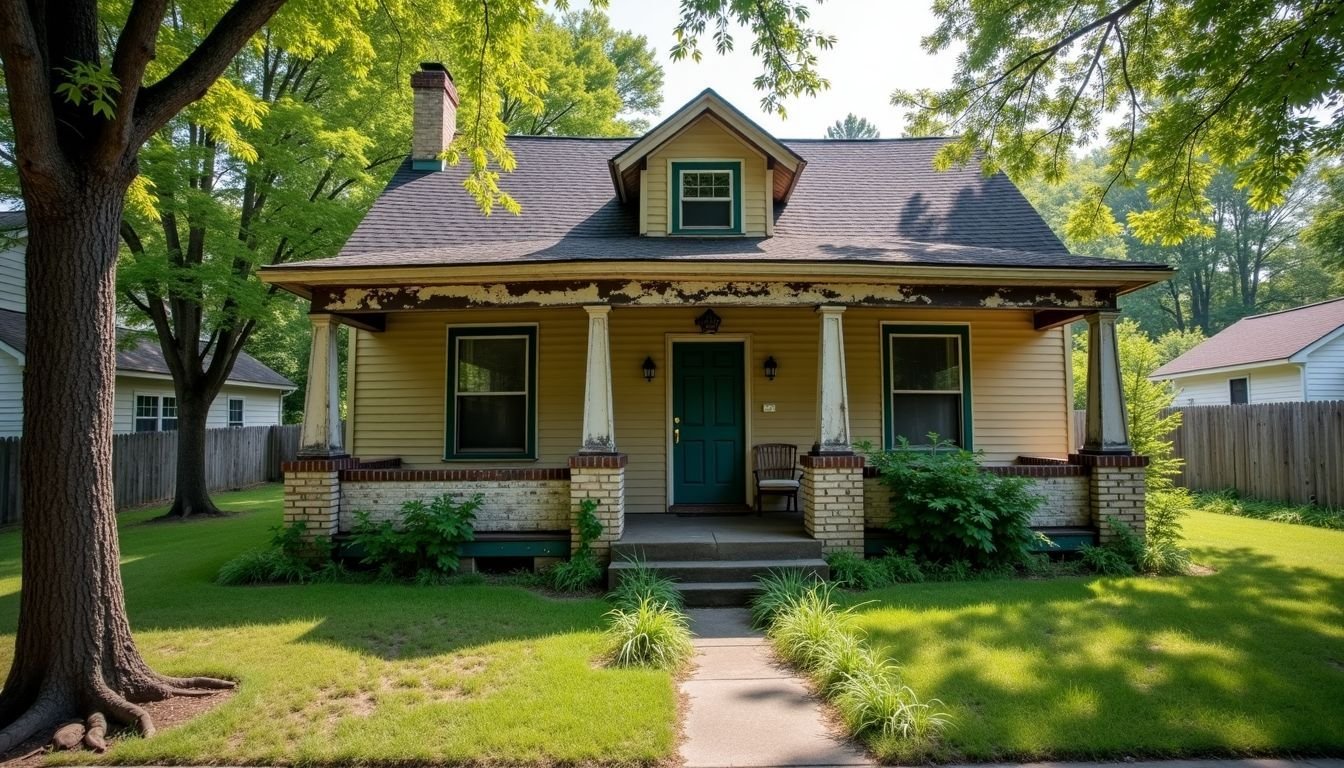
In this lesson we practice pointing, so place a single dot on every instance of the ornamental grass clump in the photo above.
(810, 630)
(639, 583)
(651, 634)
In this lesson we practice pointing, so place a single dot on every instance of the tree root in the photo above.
(206, 683)
(95, 738)
(68, 736)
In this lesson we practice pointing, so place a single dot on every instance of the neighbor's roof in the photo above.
(145, 356)
(877, 201)
(1261, 338)
(13, 220)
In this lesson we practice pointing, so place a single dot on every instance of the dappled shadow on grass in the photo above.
(1238, 662)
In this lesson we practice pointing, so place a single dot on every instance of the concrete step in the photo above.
(767, 549)
(718, 571)
(724, 594)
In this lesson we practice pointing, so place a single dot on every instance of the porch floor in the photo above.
(770, 528)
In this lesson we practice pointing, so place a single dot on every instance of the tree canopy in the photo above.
(852, 127)
(1177, 90)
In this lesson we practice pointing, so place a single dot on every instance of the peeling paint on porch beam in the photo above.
(616, 292)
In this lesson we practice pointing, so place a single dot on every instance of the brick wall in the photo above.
(833, 501)
(1117, 492)
(509, 505)
(1066, 501)
(313, 498)
(876, 502)
(600, 478)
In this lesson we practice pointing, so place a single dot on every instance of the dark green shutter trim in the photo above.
(898, 329)
(721, 165)
(450, 404)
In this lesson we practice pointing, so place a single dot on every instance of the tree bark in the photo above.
(73, 652)
(193, 494)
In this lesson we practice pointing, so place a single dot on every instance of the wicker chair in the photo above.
(776, 472)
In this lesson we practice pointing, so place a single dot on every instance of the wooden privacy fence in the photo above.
(1290, 452)
(144, 464)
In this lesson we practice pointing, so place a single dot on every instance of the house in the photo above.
(1296, 355)
(145, 398)
(665, 303)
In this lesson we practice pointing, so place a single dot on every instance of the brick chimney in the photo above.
(435, 118)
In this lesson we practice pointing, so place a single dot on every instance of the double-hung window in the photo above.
(1239, 391)
(707, 197)
(927, 384)
(236, 411)
(155, 413)
(492, 384)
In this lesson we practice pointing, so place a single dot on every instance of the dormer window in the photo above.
(707, 198)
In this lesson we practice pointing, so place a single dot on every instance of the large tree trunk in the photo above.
(74, 654)
(193, 495)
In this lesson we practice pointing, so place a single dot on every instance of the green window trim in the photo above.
(960, 332)
(455, 333)
(732, 166)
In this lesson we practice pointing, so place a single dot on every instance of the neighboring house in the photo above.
(665, 303)
(145, 399)
(1291, 356)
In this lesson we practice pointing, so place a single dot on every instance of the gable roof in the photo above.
(1271, 337)
(707, 104)
(144, 356)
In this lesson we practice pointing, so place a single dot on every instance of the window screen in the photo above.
(1240, 391)
(147, 413)
(707, 199)
(168, 423)
(491, 395)
(235, 412)
(926, 387)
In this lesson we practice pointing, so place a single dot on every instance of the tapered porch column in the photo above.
(832, 385)
(1107, 421)
(321, 437)
(832, 474)
(599, 422)
(597, 472)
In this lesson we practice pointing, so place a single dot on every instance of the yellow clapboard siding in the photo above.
(706, 139)
(1019, 384)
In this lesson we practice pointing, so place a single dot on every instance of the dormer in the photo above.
(706, 171)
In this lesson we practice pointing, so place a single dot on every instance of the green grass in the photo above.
(368, 673)
(1229, 503)
(1248, 660)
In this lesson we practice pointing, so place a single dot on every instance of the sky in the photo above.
(877, 51)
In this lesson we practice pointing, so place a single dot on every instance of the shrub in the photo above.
(1229, 502)
(852, 571)
(650, 634)
(1106, 561)
(581, 571)
(779, 590)
(292, 558)
(945, 507)
(874, 704)
(901, 569)
(804, 632)
(423, 544)
(1162, 551)
(640, 583)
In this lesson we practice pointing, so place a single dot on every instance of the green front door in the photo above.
(709, 423)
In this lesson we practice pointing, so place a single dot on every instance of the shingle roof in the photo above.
(144, 356)
(878, 200)
(1261, 338)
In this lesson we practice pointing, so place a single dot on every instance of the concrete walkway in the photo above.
(744, 710)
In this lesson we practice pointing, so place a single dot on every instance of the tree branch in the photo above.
(135, 49)
(29, 90)
(189, 82)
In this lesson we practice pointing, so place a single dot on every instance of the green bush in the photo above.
(581, 571)
(852, 571)
(292, 558)
(874, 704)
(423, 544)
(946, 507)
(1106, 561)
(650, 634)
(780, 589)
(808, 627)
(1162, 550)
(1229, 502)
(640, 583)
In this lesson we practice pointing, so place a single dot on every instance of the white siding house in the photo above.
(1289, 356)
(145, 400)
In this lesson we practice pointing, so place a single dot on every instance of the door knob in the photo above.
(676, 437)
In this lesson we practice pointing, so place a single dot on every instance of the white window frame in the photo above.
(228, 412)
(160, 403)
(1246, 379)
(681, 185)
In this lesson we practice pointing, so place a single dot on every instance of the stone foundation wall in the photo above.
(509, 505)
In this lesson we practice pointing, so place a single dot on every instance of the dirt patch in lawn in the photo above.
(166, 714)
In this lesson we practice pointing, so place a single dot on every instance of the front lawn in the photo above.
(1249, 660)
(364, 672)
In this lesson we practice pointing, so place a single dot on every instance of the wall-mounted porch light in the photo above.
(709, 321)
(771, 368)
(649, 369)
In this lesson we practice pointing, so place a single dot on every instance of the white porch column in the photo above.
(599, 420)
(832, 385)
(321, 436)
(1107, 421)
